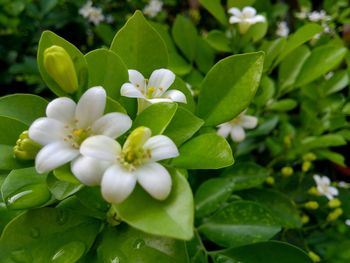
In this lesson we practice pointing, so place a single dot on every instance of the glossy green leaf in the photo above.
(229, 87)
(25, 188)
(246, 175)
(240, 3)
(283, 105)
(302, 35)
(205, 55)
(321, 60)
(331, 156)
(323, 141)
(336, 83)
(61, 189)
(282, 208)
(218, 40)
(130, 245)
(240, 223)
(183, 126)
(206, 151)
(265, 92)
(25, 108)
(272, 49)
(180, 85)
(185, 36)
(48, 235)
(156, 117)
(140, 46)
(10, 130)
(170, 218)
(65, 174)
(216, 9)
(255, 33)
(8, 161)
(114, 106)
(268, 252)
(49, 39)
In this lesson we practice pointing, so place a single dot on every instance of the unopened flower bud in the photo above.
(287, 171)
(334, 203)
(60, 67)
(309, 157)
(305, 219)
(332, 216)
(25, 148)
(311, 205)
(313, 191)
(314, 257)
(270, 180)
(306, 166)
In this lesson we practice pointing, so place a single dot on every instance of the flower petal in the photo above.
(61, 109)
(130, 91)
(249, 122)
(257, 19)
(90, 106)
(155, 179)
(234, 20)
(234, 11)
(117, 184)
(224, 129)
(47, 130)
(88, 170)
(237, 133)
(112, 124)
(333, 191)
(137, 79)
(249, 11)
(175, 95)
(161, 147)
(100, 147)
(158, 100)
(161, 80)
(54, 155)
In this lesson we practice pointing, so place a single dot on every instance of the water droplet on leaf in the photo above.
(69, 253)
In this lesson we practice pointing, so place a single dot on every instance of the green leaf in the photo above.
(25, 108)
(65, 174)
(114, 106)
(156, 117)
(229, 87)
(321, 60)
(130, 245)
(218, 40)
(290, 68)
(240, 3)
(49, 39)
(140, 46)
(302, 35)
(323, 141)
(25, 188)
(336, 83)
(268, 252)
(246, 175)
(240, 223)
(183, 126)
(180, 85)
(204, 55)
(265, 92)
(272, 49)
(279, 205)
(170, 218)
(283, 105)
(216, 9)
(185, 36)
(211, 195)
(8, 161)
(206, 151)
(48, 235)
(10, 130)
(331, 156)
(61, 189)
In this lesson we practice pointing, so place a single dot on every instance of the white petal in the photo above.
(333, 191)
(137, 79)
(62, 109)
(234, 20)
(112, 124)
(249, 11)
(175, 95)
(325, 180)
(249, 122)
(317, 179)
(100, 147)
(237, 133)
(161, 79)
(158, 100)
(224, 129)
(234, 11)
(88, 170)
(155, 179)
(329, 196)
(90, 106)
(54, 155)
(130, 91)
(257, 19)
(117, 184)
(47, 130)
(161, 148)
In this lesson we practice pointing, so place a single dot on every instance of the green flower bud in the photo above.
(306, 166)
(311, 205)
(287, 171)
(60, 67)
(334, 203)
(270, 180)
(332, 216)
(305, 219)
(314, 257)
(309, 157)
(25, 148)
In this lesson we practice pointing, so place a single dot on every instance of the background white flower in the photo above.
(282, 29)
(236, 127)
(324, 187)
(316, 16)
(244, 18)
(153, 90)
(135, 162)
(68, 124)
(153, 8)
(93, 14)
(347, 222)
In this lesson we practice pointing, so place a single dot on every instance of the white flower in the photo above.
(236, 127)
(153, 90)
(343, 184)
(244, 18)
(324, 187)
(316, 16)
(329, 75)
(282, 29)
(347, 222)
(153, 8)
(68, 124)
(135, 162)
(93, 14)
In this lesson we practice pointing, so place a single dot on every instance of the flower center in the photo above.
(236, 121)
(77, 136)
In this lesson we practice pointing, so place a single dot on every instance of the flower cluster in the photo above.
(153, 8)
(282, 29)
(244, 18)
(91, 13)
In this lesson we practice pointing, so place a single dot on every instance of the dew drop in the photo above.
(21, 256)
(139, 243)
(69, 253)
(34, 232)
(62, 217)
